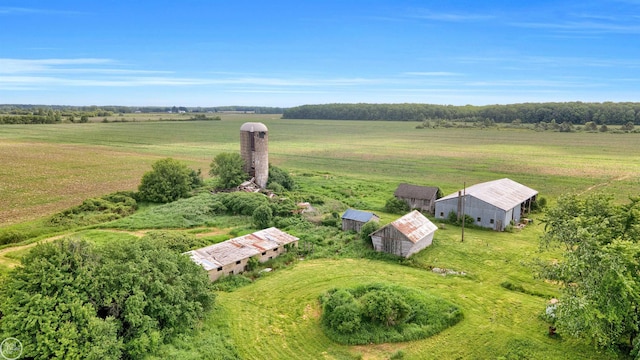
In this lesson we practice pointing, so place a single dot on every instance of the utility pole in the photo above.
(464, 193)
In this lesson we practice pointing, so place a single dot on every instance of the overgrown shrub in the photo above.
(378, 313)
(169, 180)
(11, 237)
(97, 210)
(262, 216)
(230, 283)
(280, 177)
(366, 230)
(177, 241)
(396, 206)
(121, 300)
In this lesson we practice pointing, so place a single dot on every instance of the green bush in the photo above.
(396, 206)
(120, 300)
(97, 210)
(379, 313)
(11, 237)
(280, 177)
(228, 168)
(262, 217)
(169, 180)
(366, 230)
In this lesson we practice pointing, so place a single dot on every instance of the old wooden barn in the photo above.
(492, 204)
(405, 236)
(422, 198)
(354, 219)
(231, 256)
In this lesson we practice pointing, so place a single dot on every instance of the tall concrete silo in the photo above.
(254, 149)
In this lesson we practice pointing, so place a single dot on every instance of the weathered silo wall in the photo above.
(254, 149)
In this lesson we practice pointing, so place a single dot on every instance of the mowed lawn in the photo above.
(46, 168)
(277, 317)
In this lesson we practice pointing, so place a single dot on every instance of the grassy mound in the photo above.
(378, 313)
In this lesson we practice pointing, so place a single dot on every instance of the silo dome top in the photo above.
(253, 127)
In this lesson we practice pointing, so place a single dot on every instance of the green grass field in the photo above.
(47, 168)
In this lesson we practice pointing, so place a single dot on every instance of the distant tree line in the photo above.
(110, 110)
(578, 113)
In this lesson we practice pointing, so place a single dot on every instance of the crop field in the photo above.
(46, 168)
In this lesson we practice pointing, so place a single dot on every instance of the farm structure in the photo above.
(492, 204)
(254, 149)
(231, 256)
(418, 197)
(405, 236)
(354, 219)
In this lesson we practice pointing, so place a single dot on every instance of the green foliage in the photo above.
(384, 307)
(71, 300)
(279, 177)
(97, 210)
(243, 203)
(230, 283)
(11, 237)
(366, 230)
(514, 114)
(262, 217)
(228, 168)
(197, 210)
(599, 271)
(452, 218)
(169, 180)
(378, 313)
(396, 206)
(177, 241)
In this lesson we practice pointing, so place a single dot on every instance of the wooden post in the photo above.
(464, 193)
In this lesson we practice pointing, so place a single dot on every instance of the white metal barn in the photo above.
(405, 236)
(492, 204)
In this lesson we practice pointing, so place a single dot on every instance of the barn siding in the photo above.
(390, 240)
(421, 204)
(479, 209)
(354, 225)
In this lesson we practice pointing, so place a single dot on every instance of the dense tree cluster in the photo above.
(600, 272)
(527, 113)
(378, 313)
(229, 170)
(72, 300)
(169, 180)
(94, 110)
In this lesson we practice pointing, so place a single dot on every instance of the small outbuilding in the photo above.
(418, 197)
(231, 256)
(405, 236)
(354, 219)
(492, 204)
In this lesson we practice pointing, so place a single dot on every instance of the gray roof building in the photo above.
(354, 219)
(418, 197)
(492, 204)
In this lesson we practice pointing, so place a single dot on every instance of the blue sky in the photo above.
(288, 53)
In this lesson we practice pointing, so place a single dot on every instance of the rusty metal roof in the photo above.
(240, 248)
(504, 193)
(414, 226)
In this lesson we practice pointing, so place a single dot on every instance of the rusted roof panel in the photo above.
(240, 248)
(414, 226)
